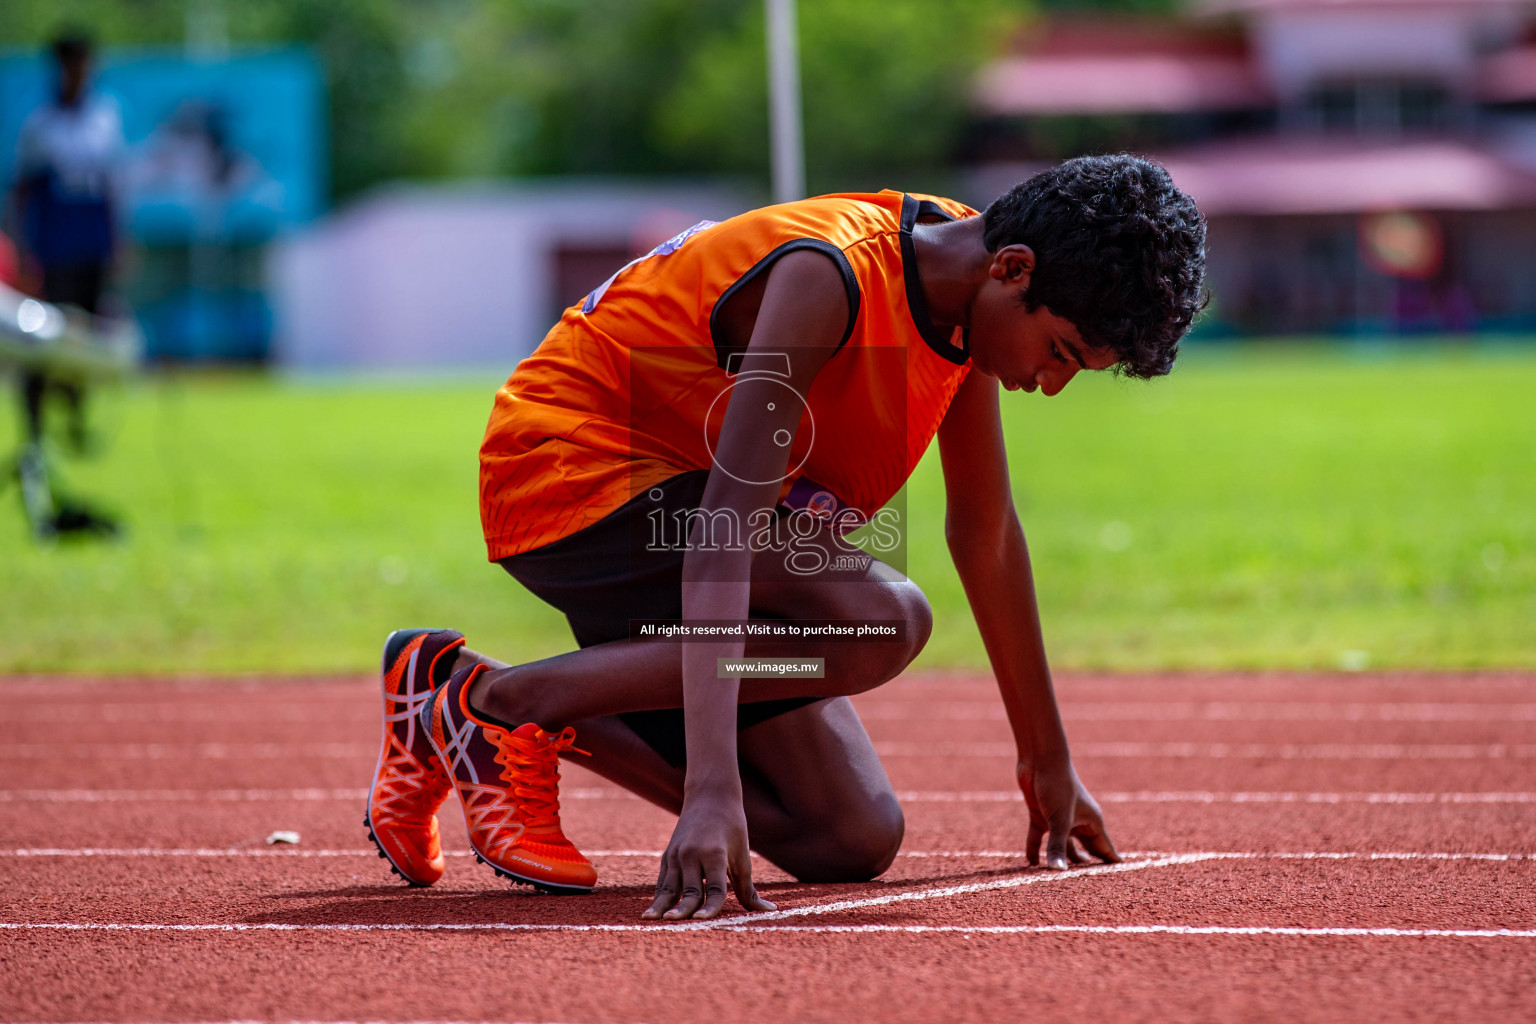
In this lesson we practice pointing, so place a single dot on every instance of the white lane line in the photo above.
(69, 796)
(1256, 751)
(730, 925)
(1153, 929)
(1320, 751)
(1317, 798)
(1207, 797)
(108, 852)
(1386, 855)
(1212, 711)
(906, 796)
(760, 922)
(961, 890)
(272, 708)
(739, 921)
(92, 796)
(345, 710)
(187, 751)
(1403, 855)
(1278, 751)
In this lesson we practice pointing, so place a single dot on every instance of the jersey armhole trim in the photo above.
(850, 285)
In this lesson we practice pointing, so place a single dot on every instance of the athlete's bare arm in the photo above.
(803, 313)
(987, 544)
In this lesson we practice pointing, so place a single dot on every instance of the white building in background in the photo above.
(429, 277)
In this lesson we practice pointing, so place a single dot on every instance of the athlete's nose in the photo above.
(1052, 384)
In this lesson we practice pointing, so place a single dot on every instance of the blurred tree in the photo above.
(679, 86)
(884, 85)
(362, 46)
(600, 71)
(111, 21)
(482, 88)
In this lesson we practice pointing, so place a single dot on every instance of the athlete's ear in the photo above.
(1013, 265)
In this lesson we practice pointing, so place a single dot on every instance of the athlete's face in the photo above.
(1025, 349)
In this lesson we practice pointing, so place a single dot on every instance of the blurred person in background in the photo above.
(64, 207)
(67, 161)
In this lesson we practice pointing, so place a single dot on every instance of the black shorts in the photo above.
(605, 574)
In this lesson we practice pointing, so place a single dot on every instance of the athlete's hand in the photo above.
(707, 854)
(1059, 804)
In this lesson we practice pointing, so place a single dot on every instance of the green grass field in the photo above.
(1267, 506)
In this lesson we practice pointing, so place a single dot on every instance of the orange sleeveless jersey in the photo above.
(630, 388)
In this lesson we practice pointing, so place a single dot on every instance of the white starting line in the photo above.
(765, 921)
(288, 852)
(1154, 929)
(1225, 751)
(1200, 796)
(280, 709)
(1211, 711)
(67, 796)
(1183, 751)
(276, 709)
(188, 751)
(731, 925)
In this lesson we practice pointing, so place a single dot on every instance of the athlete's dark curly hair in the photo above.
(1119, 251)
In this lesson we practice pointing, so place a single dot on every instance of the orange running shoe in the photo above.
(409, 784)
(508, 781)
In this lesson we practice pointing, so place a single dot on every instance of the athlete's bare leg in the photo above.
(644, 675)
(817, 801)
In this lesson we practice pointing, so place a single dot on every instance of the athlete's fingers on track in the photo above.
(1036, 818)
(693, 890)
(668, 884)
(1097, 842)
(1032, 844)
(1074, 854)
(714, 888)
(746, 892)
(1061, 834)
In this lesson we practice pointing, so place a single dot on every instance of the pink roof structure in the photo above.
(1270, 176)
(1263, 6)
(1508, 77)
(1117, 66)
(1142, 83)
(1129, 65)
(1289, 176)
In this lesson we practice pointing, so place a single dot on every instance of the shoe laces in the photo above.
(532, 768)
(409, 790)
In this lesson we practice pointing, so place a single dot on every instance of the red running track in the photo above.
(1305, 848)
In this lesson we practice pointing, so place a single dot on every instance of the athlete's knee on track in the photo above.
(853, 848)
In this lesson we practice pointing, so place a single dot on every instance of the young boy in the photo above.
(693, 441)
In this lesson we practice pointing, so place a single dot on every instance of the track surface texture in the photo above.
(1299, 848)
